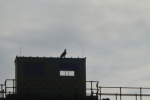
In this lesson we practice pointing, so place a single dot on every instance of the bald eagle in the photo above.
(63, 54)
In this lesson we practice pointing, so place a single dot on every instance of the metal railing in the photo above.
(91, 86)
(92, 89)
(137, 93)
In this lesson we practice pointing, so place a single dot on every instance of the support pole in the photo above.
(120, 93)
(100, 92)
(140, 93)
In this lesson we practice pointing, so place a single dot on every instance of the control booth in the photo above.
(50, 78)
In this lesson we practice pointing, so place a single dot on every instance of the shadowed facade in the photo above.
(51, 76)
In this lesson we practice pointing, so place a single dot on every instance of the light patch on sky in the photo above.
(112, 34)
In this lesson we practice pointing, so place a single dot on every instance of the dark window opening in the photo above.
(34, 69)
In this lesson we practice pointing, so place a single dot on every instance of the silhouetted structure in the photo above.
(58, 76)
(49, 78)
(63, 54)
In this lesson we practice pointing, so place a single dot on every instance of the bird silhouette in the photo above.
(63, 54)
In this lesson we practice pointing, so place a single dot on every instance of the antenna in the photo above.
(20, 51)
(82, 52)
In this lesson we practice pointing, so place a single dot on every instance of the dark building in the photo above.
(54, 77)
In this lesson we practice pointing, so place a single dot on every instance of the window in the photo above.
(67, 73)
(34, 69)
(67, 69)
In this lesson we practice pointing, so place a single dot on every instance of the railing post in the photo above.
(140, 93)
(2, 90)
(5, 88)
(91, 87)
(116, 96)
(100, 92)
(136, 97)
(97, 88)
(1, 87)
(13, 85)
(120, 93)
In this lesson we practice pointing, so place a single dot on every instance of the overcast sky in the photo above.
(114, 35)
